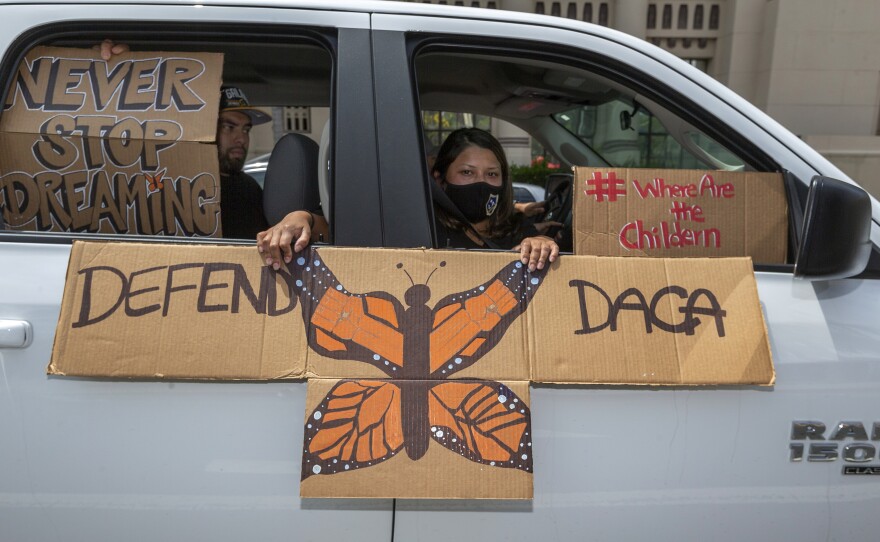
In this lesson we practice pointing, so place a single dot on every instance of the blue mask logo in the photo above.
(491, 204)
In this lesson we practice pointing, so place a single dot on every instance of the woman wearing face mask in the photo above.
(472, 170)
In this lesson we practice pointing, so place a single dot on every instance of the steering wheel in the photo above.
(558, 208)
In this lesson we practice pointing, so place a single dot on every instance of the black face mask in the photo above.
(476, 201)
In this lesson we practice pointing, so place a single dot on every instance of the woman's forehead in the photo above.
(474, 154)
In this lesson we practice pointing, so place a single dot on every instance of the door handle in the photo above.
(16, 333)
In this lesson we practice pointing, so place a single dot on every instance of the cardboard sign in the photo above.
(675, 213)
(419, 360)
(389, 438)
(156, 311)
(111, 147)
(175, 193)
(136, 95)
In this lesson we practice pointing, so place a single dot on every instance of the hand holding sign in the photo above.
(108, 48)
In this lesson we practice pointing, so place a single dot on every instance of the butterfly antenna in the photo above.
(442, 264)
(400, 266)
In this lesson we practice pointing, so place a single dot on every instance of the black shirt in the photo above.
(241, 206)
(457, 238)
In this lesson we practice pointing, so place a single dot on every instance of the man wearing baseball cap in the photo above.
(241, 204)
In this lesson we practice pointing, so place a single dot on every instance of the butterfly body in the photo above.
(416, 327)
(363, 422)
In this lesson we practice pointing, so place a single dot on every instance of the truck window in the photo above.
(552, 116)
(131, 147)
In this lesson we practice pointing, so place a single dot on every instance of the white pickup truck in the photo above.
(87, 459)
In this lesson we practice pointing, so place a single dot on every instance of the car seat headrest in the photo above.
(291, 181)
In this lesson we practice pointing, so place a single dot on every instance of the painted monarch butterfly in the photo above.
(155, 182)
(364, 422)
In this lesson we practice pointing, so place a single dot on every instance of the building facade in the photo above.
(810, 64)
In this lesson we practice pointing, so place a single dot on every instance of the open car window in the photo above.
(551, 116)
(113, 148)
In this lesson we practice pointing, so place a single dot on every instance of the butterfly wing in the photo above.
(469, 324)
(483, 421)
(155, 181)
(358, 424)
(344, 325)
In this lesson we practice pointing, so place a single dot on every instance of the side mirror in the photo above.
(836, 240)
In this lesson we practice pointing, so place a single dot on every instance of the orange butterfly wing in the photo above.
(358, 424)
(469, 324)
(484, 421)
(154, 181)
(344, 325)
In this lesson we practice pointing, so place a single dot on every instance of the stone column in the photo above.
(527, 6)
(516, 142)
(630, 16)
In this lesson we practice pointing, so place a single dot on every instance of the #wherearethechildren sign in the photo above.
(677, 213)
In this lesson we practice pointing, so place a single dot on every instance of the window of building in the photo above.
(436, 125)
(603, 14)
(714, 17)
(667, 16)
(297, 120)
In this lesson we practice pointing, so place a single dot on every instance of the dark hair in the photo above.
(504, 220)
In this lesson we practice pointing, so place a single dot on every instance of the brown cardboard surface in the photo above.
(112, 147)
(154, 311)
(406, 350)
(177, 195)
(483, 317)
(676, 213)
(451, 277)
(480, 449)
(145, 95)
(605, 330)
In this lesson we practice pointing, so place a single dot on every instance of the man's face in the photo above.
(233, 137)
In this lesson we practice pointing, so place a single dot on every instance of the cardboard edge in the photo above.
(73, 262)
(659, 385)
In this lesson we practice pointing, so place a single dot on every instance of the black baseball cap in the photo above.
(233, 99)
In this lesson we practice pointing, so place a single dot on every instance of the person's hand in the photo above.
(534, 208)
(108, 48)
(274, 243)
(537, 251)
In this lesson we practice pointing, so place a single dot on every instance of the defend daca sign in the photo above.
(111, 147)
(680, 213)
(418, 361)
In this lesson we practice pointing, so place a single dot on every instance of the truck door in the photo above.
(630, 463)
(88, 459)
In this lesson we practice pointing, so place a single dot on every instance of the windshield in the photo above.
(625, 134)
